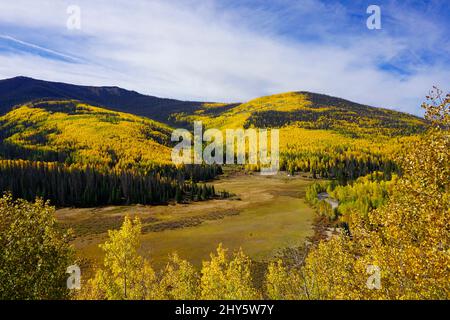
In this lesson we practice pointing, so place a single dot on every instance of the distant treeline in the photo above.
(84, 186)
(337, 166)
(357, 197)
(311, 119)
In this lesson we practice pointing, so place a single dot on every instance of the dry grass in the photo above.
(271, 214)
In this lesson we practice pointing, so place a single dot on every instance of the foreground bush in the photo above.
(34, 254)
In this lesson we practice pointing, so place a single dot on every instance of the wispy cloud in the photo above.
(38, 50)
(233, 50)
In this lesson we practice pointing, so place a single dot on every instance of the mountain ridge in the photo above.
(19, 90)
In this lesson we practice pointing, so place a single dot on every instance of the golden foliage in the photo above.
(408, 238)
(125, 274)
(34, 253)
(88, 134)
(227, 280)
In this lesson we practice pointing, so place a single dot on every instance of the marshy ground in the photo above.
(268, 213)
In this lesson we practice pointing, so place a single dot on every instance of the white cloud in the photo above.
(192, 50)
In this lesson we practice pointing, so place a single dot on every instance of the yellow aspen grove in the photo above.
(125, 274)
(34, 253)
(179, 281)
(227, 280)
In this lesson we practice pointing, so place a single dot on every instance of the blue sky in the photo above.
(213, 50)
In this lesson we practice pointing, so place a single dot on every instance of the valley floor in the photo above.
(267, 214)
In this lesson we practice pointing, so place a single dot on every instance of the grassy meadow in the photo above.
(265, 215)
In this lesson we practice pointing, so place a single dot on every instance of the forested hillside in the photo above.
(329, 154)
(20, 90)
(307, 110)
(323, 136)
(73, 132)
(304, 109)
(75, 154)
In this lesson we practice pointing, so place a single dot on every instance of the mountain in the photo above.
(19, 90)
(70, 131)
(300, 109)
(76, 154)
(306, 110)
(117, 128)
